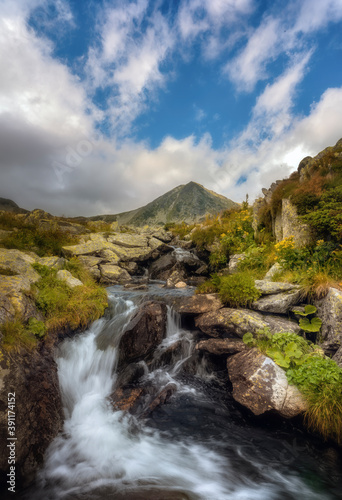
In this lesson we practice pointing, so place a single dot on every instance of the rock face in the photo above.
(221, 346)
(287, 223)
(234, 262)
(261, 385)
(229, 322)
(144, 332)
(33, 379)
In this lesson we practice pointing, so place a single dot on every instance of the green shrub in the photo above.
(238, 290)
(206, 287)
(16, 336)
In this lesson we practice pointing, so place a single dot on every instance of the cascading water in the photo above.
(106, 454)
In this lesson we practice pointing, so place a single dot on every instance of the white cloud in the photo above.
(315, 14)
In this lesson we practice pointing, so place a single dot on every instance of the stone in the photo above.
(156, 244)
(163, 235)
(329, 309)
(177, 276)
(18, 263)
(276, 268)
(289, 224)
(260, 385)
(227, 322)
(338, 357)
(131, 267)
(279, 303)
(160, 268)
(144, 332)
(111, 273)
(181, 284)
(234, 262)
(69, 279)
(271, 287)
(52, 262)
(200, 303)
(107, 255)
(136, 254)
(220, 347)
(128, 240)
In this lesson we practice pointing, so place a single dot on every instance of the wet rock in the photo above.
(200, 303)
(126, 399)
(177, 276)
(221, 346)
(131, 374)
(181, 284)
(38, 408)
(144, 332)
(69, 279)
(228, 322)
(261, 385)
(329, 309)
(279, 303)
(161, 267)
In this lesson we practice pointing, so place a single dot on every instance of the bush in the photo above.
(238, 290)
(16, 336)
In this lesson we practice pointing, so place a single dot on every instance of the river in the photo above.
(199, 446)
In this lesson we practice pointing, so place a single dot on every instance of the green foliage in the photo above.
(238, 290)
(37, 327)
(309, 325)
(326, 219)
(206, 287)
(17, 336)
(180, 230)
(256, 259)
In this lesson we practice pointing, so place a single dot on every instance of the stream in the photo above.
(200, 445)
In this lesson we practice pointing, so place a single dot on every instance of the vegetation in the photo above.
(318, 378)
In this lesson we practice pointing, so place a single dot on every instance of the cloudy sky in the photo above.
(105, 105)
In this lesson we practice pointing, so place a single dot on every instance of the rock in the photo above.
(144, 332)
(338, 357)
(279, 303)
(136, 254)
(159, 269)
(261, 385)
(111, 273)
(128, 240)
(4, 234)
(271, 287)
(181, 284)
(329, 309)
(91, 264)
(69, 279)
(131, 374)
(203, 270)
(189, 260)
(221, 346)
(234, 262)
(228, 322)
(288, 224)
(177, 276)
(276, 268)
(156, 244)
(52, 262)
(126, 399)
(131, 267)
(200, 303)
(164, 236)
(38, 411)
(18, 263)
(107, 255)
(114, 226)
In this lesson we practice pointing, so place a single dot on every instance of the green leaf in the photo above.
(248, 339)
(310, 309)
(310, 326)
(281, 360)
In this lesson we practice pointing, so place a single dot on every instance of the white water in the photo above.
(107, 454)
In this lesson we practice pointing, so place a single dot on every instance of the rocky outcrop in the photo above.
(38, 410)
(229, 322)
(144, 333)
(279, 303)
(287, 223)
(234, 262)
(261, 385)
(68, 278)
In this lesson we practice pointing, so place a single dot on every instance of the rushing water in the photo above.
(188, 450)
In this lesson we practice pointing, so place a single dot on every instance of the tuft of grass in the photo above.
(238, 290)
(16, 336)
(206, 287)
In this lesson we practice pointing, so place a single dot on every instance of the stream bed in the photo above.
(200, 445)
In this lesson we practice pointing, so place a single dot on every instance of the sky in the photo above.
(106, 105)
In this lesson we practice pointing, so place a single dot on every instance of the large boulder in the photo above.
(199, 304)
(144, 332)
(229, 322)
(68, 278)
(160, 269)
(279, 303)
(221, 347)
(261, 385)
(128, 240)
(267, 287)
(329, 309)
(112, 274)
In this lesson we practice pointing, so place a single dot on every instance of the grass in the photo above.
(16, 336)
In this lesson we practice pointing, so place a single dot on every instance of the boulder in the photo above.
(200, 303)
(229, 322)
(276, 268)
(176, 276)
(279, 303)
(52, 262)
(18, 263)
(329, 309)
(162, 235)
(161, 267)
(267, 287)
(69, 279)
(113, 274)
(131, 267)
(128, 240)
(220, 347)
(261, 385)
(234, 262)
(181, 284)
(144, 332)
(338, 357)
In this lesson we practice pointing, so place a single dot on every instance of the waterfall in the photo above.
(102, 453)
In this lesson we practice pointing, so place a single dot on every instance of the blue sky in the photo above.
(105, 105)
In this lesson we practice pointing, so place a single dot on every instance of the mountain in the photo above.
(189, 203)
(10, 206)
